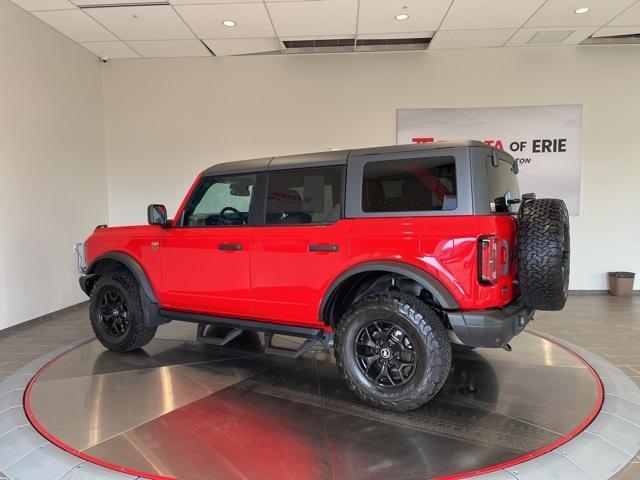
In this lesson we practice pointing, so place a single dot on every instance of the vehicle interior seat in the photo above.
(285, 206)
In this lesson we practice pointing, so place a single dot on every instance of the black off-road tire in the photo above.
(427, 334)
(136, 334)
(543, 253)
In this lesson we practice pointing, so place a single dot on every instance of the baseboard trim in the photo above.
(597, 292)
(42, 318)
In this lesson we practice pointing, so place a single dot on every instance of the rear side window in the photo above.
(304, 196)
(502, 186)
(412, 185)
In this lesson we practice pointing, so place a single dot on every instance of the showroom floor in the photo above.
(607, 326)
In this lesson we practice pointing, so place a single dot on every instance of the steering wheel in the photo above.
(228, 219)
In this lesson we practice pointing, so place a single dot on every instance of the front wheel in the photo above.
(116, 313)
(393, 351)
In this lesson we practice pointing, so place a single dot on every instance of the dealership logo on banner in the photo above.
(544, 140)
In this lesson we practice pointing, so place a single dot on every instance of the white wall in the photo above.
(52, 164)
(168, 119)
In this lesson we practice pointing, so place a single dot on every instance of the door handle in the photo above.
(230, 246)
(323, 248)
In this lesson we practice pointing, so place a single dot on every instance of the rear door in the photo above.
(302, 244)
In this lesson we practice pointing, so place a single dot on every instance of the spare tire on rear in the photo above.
(543, 253)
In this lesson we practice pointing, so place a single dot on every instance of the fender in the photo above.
(135, 268)
(150, 304)
(440, 293)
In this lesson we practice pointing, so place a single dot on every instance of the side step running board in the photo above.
(243, 324)
(326, 340)
(236, 326)
(269, 348)
(219, 341)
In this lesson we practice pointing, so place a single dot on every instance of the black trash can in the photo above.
(621, 283)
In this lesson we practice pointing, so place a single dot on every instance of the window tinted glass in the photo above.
(502, 183)
(422, 184)
(220, 201)
(304, 196)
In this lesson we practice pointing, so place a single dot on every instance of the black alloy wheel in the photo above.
(113, 312)
(117, 313)
(385, 354)
(392, 350)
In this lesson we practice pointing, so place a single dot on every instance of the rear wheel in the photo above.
(116, 313)
(393, 351)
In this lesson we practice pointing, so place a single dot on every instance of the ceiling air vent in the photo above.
(351, 45)
(392, 44)
(633, 38)
(123, 4)
(320, 46)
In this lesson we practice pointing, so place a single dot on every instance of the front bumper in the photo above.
(490, 328)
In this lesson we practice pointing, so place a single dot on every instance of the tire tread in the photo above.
(139, 334)
(542, 226)
(427, 323)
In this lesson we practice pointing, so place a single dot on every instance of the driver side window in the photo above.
(220, 201)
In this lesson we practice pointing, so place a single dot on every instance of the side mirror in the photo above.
(157, 214)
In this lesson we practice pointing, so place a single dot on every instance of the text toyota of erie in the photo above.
(538, 145)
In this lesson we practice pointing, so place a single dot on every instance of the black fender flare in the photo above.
(133, 266)
(440, 293)
(150, 304)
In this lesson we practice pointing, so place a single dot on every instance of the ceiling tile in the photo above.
(110, 49)
(38, 5)
(75, 25)
(471, 38)
(243, 46)
(312, 18)
(550, 37)
(573, 35)
(486, 14)
(157, 22)
(378, 16)
(560, 13)
(630, 16)
(613, 31)
(206, 20)
(170, 48)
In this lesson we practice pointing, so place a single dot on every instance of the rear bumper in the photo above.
(490, 328)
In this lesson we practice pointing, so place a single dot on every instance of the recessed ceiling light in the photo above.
(229, 23)
(402, 16)
(582, 10)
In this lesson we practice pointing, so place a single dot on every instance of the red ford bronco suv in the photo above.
(394, 256)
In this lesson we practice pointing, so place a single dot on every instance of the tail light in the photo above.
(488, 259)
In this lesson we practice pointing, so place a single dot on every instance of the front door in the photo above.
(301, 246)
(205, 258)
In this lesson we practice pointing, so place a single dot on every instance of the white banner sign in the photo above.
(545, 140)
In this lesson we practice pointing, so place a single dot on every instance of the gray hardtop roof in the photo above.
(330, 158)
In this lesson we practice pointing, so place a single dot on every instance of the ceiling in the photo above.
(190, 28)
